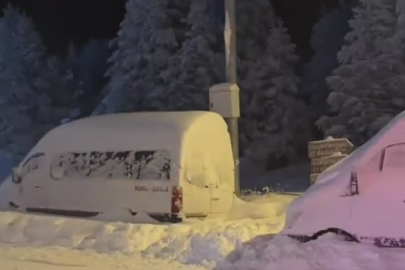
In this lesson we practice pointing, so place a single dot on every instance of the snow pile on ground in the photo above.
(327, 253)
(192, 243)
(58, 258)
(261, 207)
(260, 253)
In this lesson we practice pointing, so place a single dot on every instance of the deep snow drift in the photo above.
(260, 253)
(327, 253)
(34, 242)
(202, 243)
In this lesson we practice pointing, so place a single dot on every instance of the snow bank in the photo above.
(194, 242)
(58, 258)
(260, 207)
(282, 253)
(261, 253)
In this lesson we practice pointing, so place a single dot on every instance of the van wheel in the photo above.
(166, 218)
(339, 232)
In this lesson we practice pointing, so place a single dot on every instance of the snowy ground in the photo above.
(29, 241)
(327, 253)
(260, 254)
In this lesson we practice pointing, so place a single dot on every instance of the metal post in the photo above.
(231, 76)
(230, 41)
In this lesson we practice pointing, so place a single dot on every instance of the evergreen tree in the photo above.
(326, 41)
(126, 61)
(87, 67)
(400, 31)
(199, 63)
(151, 32)
(273, 114)
(255, 19)
(400, 11)
(25, 109)
(367, 87)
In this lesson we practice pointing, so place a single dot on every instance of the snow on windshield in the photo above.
(135, 165)
(31, 164)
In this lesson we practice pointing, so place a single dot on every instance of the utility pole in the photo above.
(232, 78)
(224, 97)
(230, 41)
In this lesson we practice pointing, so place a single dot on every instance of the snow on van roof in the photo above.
(120, 128)
(181, 121)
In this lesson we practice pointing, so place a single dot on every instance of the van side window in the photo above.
(134, 165)
(393, 157)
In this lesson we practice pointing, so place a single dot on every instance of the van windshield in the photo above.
(32, 163)
(134, 165)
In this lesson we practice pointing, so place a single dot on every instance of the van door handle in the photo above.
(37, 186)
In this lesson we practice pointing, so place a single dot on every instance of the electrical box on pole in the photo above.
(224, 99)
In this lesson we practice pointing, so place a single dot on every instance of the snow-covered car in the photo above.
(362, 197)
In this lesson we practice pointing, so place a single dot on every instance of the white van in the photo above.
(169, 165)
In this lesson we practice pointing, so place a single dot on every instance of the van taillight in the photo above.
(177, 200)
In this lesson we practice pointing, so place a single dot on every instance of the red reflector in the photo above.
(177, 200)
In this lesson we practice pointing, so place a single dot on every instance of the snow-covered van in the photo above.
(169, 165)
(361, 198)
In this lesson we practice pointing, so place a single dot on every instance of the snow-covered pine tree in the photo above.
(126, 61)
(93, 58)
(87, 66)
(367, 87)
(25, 105)
(273, 114)
(199, 63)
(400, 11)
(400, 32)
(163, 47)
(151, 32)
(326, 41)
(255, 19)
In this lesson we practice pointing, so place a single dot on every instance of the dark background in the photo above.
(62, 21)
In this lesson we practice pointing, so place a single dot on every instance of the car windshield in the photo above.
(31, 164)
(135, 165)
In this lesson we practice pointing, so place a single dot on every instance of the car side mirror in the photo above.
(16, 176)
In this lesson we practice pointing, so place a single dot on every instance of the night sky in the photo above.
(61, 21)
